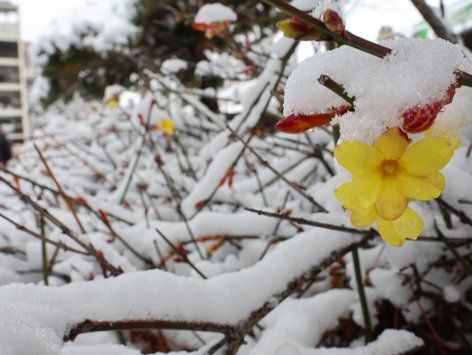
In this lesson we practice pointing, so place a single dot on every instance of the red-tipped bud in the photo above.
(333, 21)
(213, 29)
(421, 117)
(81, 201)
(300, 122)
(103, 216)
(299, 31)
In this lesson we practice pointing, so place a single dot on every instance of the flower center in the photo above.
(389, 167)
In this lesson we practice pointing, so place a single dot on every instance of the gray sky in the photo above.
(365, 20)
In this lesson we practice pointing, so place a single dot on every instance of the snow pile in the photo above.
(172, 66)
(390, 342)
(216, 12)
(417, 72)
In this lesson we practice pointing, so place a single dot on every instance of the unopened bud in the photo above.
(333, 21)
(299, 31)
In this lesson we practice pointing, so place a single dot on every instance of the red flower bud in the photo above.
(299, 31)
(333, 21)
(421, 117)
(213, 29)
(300, 122)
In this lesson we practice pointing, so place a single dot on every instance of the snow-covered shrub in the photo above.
(167, 227)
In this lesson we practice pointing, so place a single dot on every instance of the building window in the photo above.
(8, 49)
(9, 74)
(10, 100)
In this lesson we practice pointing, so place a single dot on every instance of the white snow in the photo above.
(216, 12)
(390, 342)
(379, 86)
(322, 5)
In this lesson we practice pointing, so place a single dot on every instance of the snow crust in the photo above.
(390, 342)
(417, 72)
(152, 294)
(216, 12)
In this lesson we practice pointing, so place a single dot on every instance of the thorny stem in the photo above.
(362, 296)
(348, 38)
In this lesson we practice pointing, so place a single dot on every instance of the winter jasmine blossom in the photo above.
(167, 126)
(387, 175)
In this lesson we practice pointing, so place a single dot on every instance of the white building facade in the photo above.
(14, 122)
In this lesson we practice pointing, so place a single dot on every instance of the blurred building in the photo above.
(14, 120)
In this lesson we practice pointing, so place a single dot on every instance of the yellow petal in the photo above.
(427, 156)
(358, 157)
(392, 143)
(113, 102)
(388, 233)
(361, 193)
(437, 179)
(363, 218)
(418, 188)
(391, 202)
(408, 225)
(167, 126)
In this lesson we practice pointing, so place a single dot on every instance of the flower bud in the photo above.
(333, 21)
(300, 122)
(299, 31)
(213, 29)
(421, 117)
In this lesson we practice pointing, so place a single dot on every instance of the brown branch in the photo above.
(90, 326)
(299, 220)
(347, 37)
(278, 174)
(234, 334)
(67, 200)
(434, 21)
(106, 266)
(40, 237)
(460, 214)
(337, 88)
(371, 232)
(180, 253)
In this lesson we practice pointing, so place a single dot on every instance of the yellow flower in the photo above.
(113, 102)
(392, 172)
(451, 135)
(167, 126)
(408, 225)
